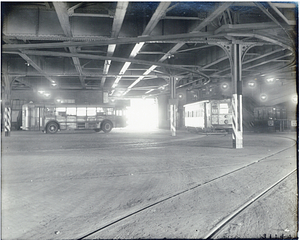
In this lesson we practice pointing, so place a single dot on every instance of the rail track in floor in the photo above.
(219, 225)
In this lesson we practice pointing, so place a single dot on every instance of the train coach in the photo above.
(274, 118)
(208, 115)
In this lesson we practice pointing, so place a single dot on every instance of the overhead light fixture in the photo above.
(251, 84)
(150, 70)
(125, 67)
(270, 80)
(135, 82)
(136, 49)
(149, 91)
(263, 97)
(112, 92)
(225, 86)
(116, 81)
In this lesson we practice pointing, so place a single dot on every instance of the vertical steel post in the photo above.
(6, 104)
(237, 117)
(173, 106)
(7, 121)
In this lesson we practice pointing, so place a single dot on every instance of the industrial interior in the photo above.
(143, 75)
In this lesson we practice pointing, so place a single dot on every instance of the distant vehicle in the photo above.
(274, 118)
(209, 115)
(50, 118)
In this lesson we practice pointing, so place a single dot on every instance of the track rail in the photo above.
(220, 224)
(227, 219)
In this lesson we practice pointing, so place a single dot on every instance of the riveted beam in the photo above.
(63, 17)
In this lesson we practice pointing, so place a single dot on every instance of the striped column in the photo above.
(7, 121)
(173, 106)
(237, 108)
(237, 131)
(173, 119)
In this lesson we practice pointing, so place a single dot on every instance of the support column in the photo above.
(173, 106)
(236, 53)
(6, 104)
(237, 116)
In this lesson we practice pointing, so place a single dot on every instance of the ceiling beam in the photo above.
(213, 63)
(266, 11)
(178, 37)
(246, 26)
(267, 61)
(203, 24)
(116, 27)
(98, 57)
(157, 15)
(21, 80)
(289, 22)
(63, 17)
(36, 66)
(212, 16)
(257, 58)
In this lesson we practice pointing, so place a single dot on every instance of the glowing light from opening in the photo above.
(270, 80)
(142, 114)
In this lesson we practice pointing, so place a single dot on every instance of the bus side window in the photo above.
(109, 111)
(91, 111)
(61, 111)
(100, 111)
(71, 111)
(81, 111)
(49, 111)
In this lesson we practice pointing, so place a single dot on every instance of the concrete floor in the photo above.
(70, 184)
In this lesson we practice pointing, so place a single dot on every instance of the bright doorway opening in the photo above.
(142, 114)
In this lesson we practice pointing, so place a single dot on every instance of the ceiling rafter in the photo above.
(266, 11)
(183, 49)
(97, 57)
(63, 17)
(274, 7)
(258, 58)
(36, 66)
(205, 22)
(158, 14)
(116, 27)
(150, 39)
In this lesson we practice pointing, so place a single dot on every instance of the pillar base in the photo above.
(237, 143)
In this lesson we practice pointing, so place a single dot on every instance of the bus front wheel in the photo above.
(106, 126)
(52, 127)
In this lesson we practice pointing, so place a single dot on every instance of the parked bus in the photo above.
(50, 118)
